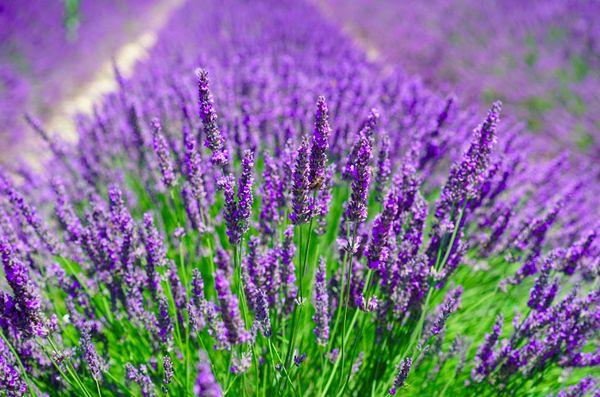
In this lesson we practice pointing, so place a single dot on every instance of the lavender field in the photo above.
(302, 198)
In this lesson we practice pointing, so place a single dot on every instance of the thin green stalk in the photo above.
(19, 362)
(283, 368)
(341, 306)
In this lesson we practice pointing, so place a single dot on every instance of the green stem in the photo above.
(19, 362)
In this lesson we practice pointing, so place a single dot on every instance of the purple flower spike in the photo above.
(28, 212)
(321, 302)
(155, 252)
(206, 384)
(542, 294)
(193, 165)
(169, 372)
(164, 326)
(234, 325)
(356, 210)
(237, 212)
(486, 356)
(213, 138)
(581, 389)
(227, 185)
(402, 375)
(245, 199)
(161, 149)
(65, 212)
(26, 297)
(466, 176)
(301, 204)
(377, 251)
(288, 270)
(95, 363)
(271, 197)
(141, 378)
(11, 380)
(320, 145)
(384, 169)
(262, 313)
(443, 311)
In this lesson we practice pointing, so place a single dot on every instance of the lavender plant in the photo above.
(262, 211)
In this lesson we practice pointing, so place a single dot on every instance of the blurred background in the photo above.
(542, 58)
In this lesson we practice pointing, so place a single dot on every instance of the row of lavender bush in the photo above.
(261, 211)
(540, 57)
(48, 48)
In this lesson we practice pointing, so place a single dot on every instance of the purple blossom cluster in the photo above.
(305, 222)
(540, 57)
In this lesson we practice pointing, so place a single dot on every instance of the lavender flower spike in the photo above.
(448, 306)
(206, 384)
(485, 354)
(384, 169)
(287, 268)
(236, 333)
(403, 370)
(30, 318)
(301, 205)
(356, 211)
(155, 252)
(538, 296)
(161, 149)
(214, 140)
(95, 363)
(321, 297)
(164, 325)
(320, 145)
(11, 380)
(226, 184)
(245, 199)
(377, 251)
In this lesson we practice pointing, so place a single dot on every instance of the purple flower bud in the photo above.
(541, 294)
(193, 165)
(26, 297)
(384, 169)
(28, 212)
(299, 359)
(95, 363)
(402, 375)
(356, 209)
(269, 214)
(377, 250)
(320, 145)
(11, 380)
(164, 324)
(321, 302)
(226, 184)
(169, 373)
(262, 313)
(155, 252)
(213, 138)
(141, 378)
(245, 199)
(580, 389)
(485, 357)
(301, 203)
(65, 212)
(577, 251)
(288, 270)
(161, 149)
(442, 312)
